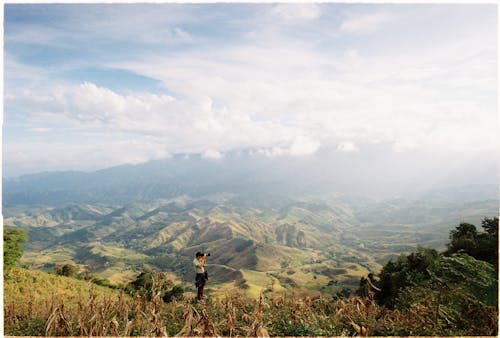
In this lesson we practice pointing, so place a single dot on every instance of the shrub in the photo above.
(13, 240)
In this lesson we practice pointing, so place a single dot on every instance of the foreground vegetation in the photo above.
(71, 307)
(449, 293)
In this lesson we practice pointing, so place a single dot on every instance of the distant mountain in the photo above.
(314, 222)
(177, 176)
(375, 173)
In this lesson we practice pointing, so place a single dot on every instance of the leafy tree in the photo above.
(480, 245)
(490, 226)
(68, 270)
(487, 245)
(143, 283)
(156, 284)
(13, 240)
(406, 271)
(463, 238)
(460, 285)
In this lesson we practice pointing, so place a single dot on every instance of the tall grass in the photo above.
(95, 312)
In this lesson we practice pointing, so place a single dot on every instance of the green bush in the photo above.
(68, 270)
(13, 240)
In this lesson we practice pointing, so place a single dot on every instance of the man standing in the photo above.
(201, 278)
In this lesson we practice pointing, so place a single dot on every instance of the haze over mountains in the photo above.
(315, 222)
(376, 172)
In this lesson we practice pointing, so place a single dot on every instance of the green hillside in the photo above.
(313, 245)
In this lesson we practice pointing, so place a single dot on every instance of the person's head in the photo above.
(199, 254)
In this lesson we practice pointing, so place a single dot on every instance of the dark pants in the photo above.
(200, 282)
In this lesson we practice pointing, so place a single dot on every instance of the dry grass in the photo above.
(95, 313)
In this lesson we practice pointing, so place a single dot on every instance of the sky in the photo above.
(96, 85)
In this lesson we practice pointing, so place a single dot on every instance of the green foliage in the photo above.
(143, 283)
(13, 240)
(466, 266)
(27, 327)
(67, 270)
(288, 328)
(475, 278)
(41, 304)
(85, 275)
(463, 238)
(488, 242)
(457, 288)
(480, 245)
(104, 282)
(407, 270)
(150, 284)
(177, 292)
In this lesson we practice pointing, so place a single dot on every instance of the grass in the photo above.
(38, 304)
(22, 286)
(55, 255)
(118, 274)
(110, 251)
(258, 282)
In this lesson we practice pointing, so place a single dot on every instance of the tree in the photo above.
(407, 270)
(490, 226)
(156, 284)
(463, 238)
(487, 248)
(13, 240)
(68, 270)
(143, 283)
(480, 245)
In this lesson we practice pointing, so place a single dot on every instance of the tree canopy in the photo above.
(460, 284)
(13, 240)
(480, 245)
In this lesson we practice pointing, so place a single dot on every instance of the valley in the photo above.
(269, 244)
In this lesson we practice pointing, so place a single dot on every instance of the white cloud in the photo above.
(88, 154)
(212, 154)
(296, 12)
(366, 23)
(303, 146)
(40, 130)
(279, 94)
(252, 97)
(347, 146)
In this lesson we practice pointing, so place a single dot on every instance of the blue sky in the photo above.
(91, 86)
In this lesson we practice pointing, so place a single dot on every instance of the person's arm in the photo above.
(202, 263)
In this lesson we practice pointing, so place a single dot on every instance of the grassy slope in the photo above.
(23, 286)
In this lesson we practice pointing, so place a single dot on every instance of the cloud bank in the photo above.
(282, 80)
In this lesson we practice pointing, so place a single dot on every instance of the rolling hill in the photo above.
(317, 245)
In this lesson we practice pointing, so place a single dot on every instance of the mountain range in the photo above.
(377, 173)
(269, 225)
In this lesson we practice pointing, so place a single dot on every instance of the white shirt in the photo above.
(197, 262)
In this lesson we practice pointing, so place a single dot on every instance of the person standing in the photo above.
(201, 276)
